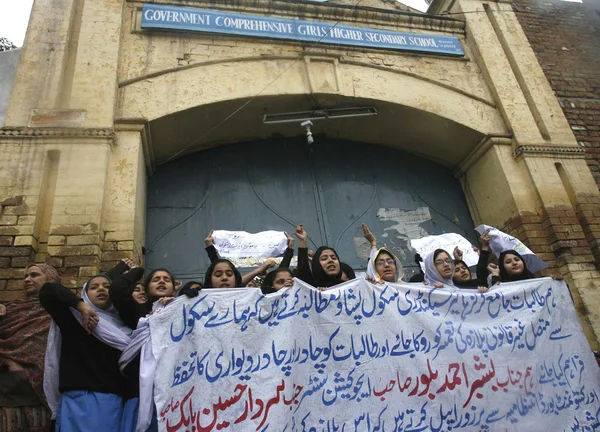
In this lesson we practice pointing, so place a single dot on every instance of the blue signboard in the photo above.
(177, 18)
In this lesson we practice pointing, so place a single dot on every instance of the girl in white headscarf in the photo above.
(439, 269)
(383, 265)
(82, 381)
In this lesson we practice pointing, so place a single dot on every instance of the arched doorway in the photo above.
(331, 186)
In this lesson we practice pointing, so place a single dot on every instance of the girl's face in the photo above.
(34, 280)
(462, 273)
(444, 265)
(513, 265)
(330, 263)
(283, 279)
(385, 265)
(161, 285)
(223, 276)
(97, 291)
(139, 294)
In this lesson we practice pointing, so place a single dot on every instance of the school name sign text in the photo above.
(198, 20)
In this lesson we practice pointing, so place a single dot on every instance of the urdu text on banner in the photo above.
(363, 357)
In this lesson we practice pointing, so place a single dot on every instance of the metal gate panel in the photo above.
(331, 186)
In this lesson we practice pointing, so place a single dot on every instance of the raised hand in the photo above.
(89, 317)
(290, 240)
(166, 300)
(493, 269)
(369, 236)
(302, 236)
(267, 265)
(482, 289)
(458, 254)
(130, 263)
(209, 240)
(484, 239)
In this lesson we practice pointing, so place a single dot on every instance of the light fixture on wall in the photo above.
(320, 114)
(306, 117)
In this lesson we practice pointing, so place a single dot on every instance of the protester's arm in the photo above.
(303, 269)
(134, 275)
(289, 252)
(58, 301)
(482, 266)
(121, 291)
(211, 250)
(484, 257)
(262, 269)
(117, 270)
(369, 236)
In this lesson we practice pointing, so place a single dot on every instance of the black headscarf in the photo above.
(321, 278)
(349, 271)
(504, 276)
(267, 285)
(418, 277)
(209, 272)
(471, 283)
(188, 290)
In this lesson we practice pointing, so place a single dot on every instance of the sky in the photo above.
(14, 19)
(15, 16)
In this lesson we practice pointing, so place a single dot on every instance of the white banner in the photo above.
(360, 357)
(252, 249)
(424, 246)
(500, 241)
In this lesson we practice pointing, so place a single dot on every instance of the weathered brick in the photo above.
(26, 220)
(13, 201)
(90, 239)
(88, 271)
(6, 240)
(8, 296)
(109, 246)
(40, 257)
(75, 229)
(68, 272)
(56, 240)
(8, 220)
(55, 262)
(14, 284)
(26, 241)
(15, 251)
(17, 262)
(4, 262)
(64, 250)
(125, 246)
(118, 236)
(90, 250)
(115, 256)
(2, 286)
(78, 261)
(16, 230)
(12, 273)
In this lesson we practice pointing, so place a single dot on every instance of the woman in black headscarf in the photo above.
(222, 274)
(511, 268)
(326, 266)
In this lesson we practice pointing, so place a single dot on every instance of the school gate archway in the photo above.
(331, 186)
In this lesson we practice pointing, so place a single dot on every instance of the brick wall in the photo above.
(566, 39)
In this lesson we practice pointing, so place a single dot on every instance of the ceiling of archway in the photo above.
(405, 128)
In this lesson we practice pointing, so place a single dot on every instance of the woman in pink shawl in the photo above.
(24, 326)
